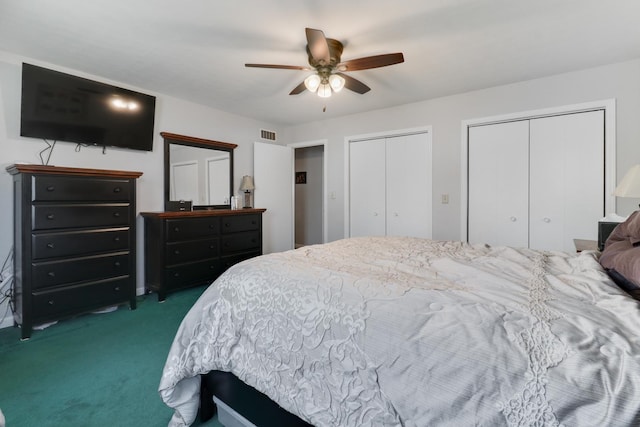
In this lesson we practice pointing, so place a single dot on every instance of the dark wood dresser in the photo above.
(185, 249)
(74, 241)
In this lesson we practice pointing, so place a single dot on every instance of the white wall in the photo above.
(620, 81)
(172, 115)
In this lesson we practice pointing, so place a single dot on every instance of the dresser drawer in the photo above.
(71, 299)
(48, 274)
(193, 250)
(228, 261)
(191, 228)
(238, 242)
(186, 274)
(65, 216)
(75, 243)
(60, 188)
(232, 224)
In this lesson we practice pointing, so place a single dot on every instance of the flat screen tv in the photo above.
(62, 107)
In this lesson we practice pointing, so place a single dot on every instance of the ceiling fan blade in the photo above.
(318, 46)
(368, 62)
(354, 85)
(298, 89)
(281, 67)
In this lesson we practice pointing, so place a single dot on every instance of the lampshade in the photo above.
(312, 82)
(336, 82)
(247, 183)
(324, 90)
(630, 184)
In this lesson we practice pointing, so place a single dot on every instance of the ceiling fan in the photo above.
(329, 76)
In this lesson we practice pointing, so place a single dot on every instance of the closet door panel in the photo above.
(567, 179)
(498, 193)
(367, 188)
(408, 186)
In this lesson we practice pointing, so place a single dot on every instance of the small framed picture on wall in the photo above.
(301, 177)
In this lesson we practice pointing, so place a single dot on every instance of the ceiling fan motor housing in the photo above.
(335, 53)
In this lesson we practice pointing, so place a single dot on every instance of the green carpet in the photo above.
(93, 370)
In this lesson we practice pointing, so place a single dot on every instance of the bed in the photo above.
(398, 331)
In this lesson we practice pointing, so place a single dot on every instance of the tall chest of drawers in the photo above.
(74, 241)
(185, 249)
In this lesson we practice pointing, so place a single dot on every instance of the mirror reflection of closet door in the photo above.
(184, 175)
(218, 181)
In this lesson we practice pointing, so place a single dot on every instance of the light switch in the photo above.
(445, 199)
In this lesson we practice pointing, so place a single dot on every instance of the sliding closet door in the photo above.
(409, 185)
(567, 179)
(498, 184)
(367, 188)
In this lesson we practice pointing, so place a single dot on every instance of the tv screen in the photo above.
(62, 107)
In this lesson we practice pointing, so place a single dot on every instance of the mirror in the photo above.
(197, 170)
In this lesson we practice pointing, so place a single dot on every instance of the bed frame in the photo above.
(247, 401)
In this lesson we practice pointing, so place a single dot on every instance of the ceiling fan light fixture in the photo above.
(324, 90)
(336, 82)
(312, 82)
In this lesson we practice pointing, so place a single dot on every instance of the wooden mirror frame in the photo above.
(172, 138)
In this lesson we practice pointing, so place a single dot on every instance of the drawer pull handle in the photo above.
(50, 216)
(50, 245)
(211, 226)
(117, 263)
(51, 274)
(117, 190)
(226, 224)
(116, 214)
(212, 247)
(176, 274)
(51, 188)
(177, 252)
(176, 229)
(116, 239)
(117, 289)
(50, 302)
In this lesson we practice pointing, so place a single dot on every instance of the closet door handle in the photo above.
(375, 214)
(547, 220)
(513, 219)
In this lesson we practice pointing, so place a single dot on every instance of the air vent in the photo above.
(267, 134)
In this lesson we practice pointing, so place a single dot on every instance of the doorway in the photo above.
(273, 168)
(308, 195)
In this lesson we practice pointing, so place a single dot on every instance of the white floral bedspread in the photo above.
(415, 333)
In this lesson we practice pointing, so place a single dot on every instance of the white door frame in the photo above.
(609, 107)
(375, 135)
(325, 220)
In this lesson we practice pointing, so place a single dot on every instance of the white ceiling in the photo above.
(196, 49)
